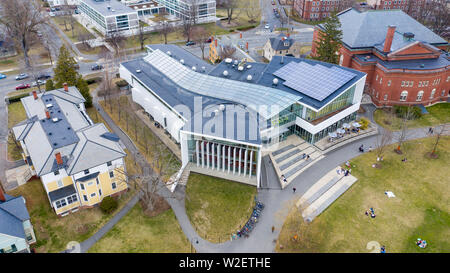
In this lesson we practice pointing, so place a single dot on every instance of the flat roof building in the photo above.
(224, 116)
(204, 10)
(109, 16)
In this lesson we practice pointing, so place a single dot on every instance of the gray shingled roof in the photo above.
(13, 213)
(369, 28)
(277, 43)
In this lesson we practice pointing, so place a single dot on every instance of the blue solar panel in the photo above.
(316, 81)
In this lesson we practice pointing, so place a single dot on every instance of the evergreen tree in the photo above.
(84, 90)
(330, 41)
(49, 85)
(65, 71)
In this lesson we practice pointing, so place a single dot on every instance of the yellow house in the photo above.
(214, 51)
(78, 162)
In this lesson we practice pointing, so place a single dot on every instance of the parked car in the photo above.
(44, 76)
(22, 86)
(52, 14)
(21, 76)
(267, 26)
(208, 41)
(2, 76)
(52, 9)
(40, 82)
(190, 43)
(76, 11)
(97, 67)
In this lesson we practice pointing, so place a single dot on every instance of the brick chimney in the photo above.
(59, 160)
(2, 195)
(215, 42)
(66, 87)
(288, 35)
(389, 37)
(35, 95)
(47, 114)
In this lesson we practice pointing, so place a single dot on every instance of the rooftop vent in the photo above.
(249, 77)
(236, 62)
(55, 119)
(221, 107)
(240, 68)
(169, 53)
(48, 105)
(138, 71)
(249, 66)
(194, 68)
(228, 60)
(182, 61)
(112, 10)
(275, 81)
(216, 112)
(108, 7)
(408, 35)
(203, 68)
(225, 73)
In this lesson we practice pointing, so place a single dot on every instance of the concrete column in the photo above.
(223, 158)
(240, 156)
(234, 160)
(251, 165)
(207, 155)
(197, 153)
(245, 162)
(203, 154)
(218, 156)
(213, 163)
(229, 158)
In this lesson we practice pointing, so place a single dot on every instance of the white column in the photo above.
(251, 164)
(229, 158)
(213, 163)
(223, 158)
(240, 156)
(218, 156)
(197, 153)
(203, 154)
(234, 160)
(258, 169)
(207, 155)
(245, 162)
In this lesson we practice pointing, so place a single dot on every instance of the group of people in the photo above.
(370, 212)
(283, 178)
(421, 243)
(343, 171)
(305, 156)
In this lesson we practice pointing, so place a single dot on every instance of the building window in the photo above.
(85, 198)
(82, 186)
(86, 171)
(389, 82)
(381, 80)
(100, 192)
(72, 199)
(443, 93)
(419, 84)
(432, 93)
(403, 95)
(60, 184)
(385, 97)
(111, 174)
(56, 172)
(411, 83)
(92, 195)
(108, 163)
(376, 78)
(98, 182)
(113, 185)
(403, 83)
(419, 96)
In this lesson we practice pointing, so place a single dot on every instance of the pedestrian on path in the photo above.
(294, 189)
(273, 229)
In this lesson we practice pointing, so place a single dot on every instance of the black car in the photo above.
(96, 67)
(190, 43)
(43, 77)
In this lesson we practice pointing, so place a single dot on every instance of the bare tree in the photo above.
(141, 35)
(384, 138)
(200, 36)
(227, 51)
(49, 45)
(165, 29)
(231, 7)
(152, 183)
(253, 10)
(406, 115)
(189, 20)
(440, 131)
(115, 39)
(22, 19)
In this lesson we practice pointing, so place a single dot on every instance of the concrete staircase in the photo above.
(323, 193)
(290, 162)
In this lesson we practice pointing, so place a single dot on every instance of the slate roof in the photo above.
(277, 43)
(362, 29)
(61, 193)
(13, 212)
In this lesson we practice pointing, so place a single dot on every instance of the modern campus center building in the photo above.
(109, 16)
(225, 116)
(205, 10)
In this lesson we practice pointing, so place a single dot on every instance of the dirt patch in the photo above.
(432, 155)
(82, 229)
(161, 206)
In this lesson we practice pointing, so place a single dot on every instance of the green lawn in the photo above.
(438, 114)
(138, 233)
(16, 114)
(419, 210)
(218, 207)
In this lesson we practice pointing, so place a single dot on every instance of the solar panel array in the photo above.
(251, 95)
(316, 81)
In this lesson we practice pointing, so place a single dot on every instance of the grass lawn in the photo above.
(438, 114)
(54, 233)
(16, 113)
(78, 29)
(138, 137)
(91, 50)
(419, 210)
(218, 207)
(138, 233)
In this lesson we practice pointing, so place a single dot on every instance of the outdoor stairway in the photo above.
(289, 160)
(323, 193)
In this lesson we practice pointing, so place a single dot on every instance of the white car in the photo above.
(52, 14)
(41, 82)
(267, 26)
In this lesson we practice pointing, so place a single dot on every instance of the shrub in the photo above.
(93, 80)
(108, 204)
(121, 83)
(401, 110)
(364, 123)
(17, 98)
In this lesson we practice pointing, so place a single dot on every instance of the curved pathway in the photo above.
(277, 202)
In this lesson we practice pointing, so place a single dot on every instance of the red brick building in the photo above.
(406, 63)
(317, 10)
(411, 7)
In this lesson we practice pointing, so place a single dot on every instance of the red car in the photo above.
(22, 86)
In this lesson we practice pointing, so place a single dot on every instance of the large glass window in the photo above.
(403, 95)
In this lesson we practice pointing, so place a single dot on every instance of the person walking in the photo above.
(293, 190)
(273, 229)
